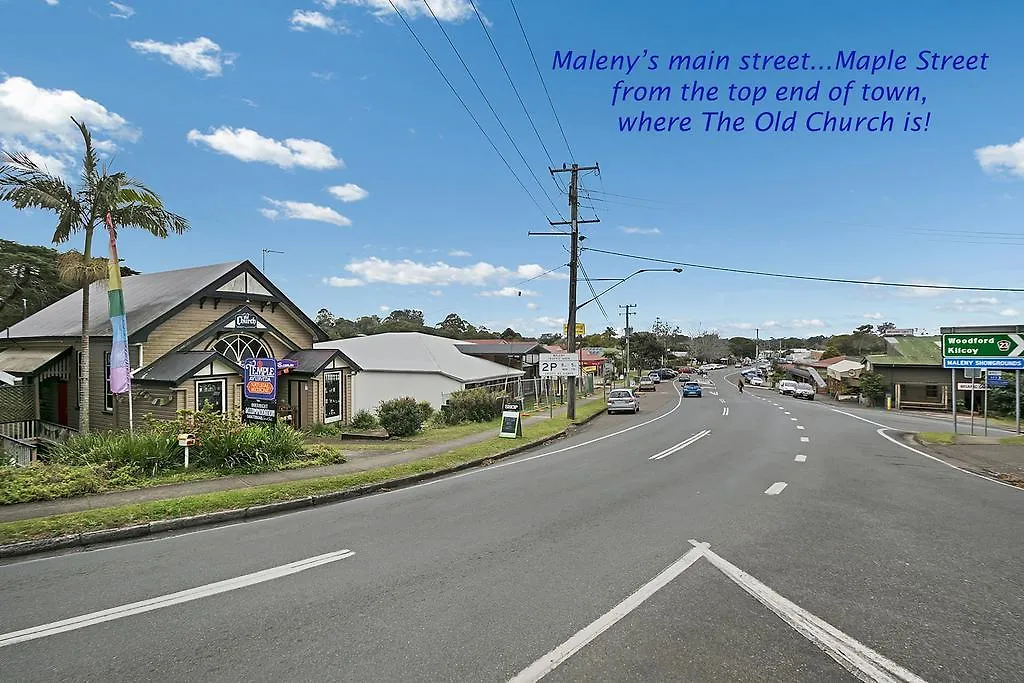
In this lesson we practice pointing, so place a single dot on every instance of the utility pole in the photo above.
(757, 344)
(628, 330)
(574, 261)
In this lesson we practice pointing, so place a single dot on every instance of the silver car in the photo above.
(623, 401)
(804, 390)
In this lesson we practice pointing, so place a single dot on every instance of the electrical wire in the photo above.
(597, 297)
(845, 281)
(542, 81)
(546, 272)
(466, 107)
(491, 107)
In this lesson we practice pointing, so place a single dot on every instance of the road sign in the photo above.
(993, 363)
(970, 386)
(559, 365)
(982, 345)
(581, 330)
(996, 379)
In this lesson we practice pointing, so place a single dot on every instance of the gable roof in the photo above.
(910, 351)
(173, 368)
(416, 352)
(149, 300)
(312, 361)
(501, 348)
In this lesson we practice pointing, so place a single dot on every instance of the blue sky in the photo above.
(321, 130)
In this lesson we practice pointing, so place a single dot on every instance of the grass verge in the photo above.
(1013, 441)
(943, 438)
(126, 515)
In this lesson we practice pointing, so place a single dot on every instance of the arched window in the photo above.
(239, 347)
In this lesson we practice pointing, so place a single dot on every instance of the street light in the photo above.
(621, 280)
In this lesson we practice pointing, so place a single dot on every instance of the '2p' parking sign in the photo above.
(260, 381)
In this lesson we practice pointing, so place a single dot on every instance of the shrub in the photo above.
(321, 429)
(426, 410)
(147, 450)
(472, 405)
(46, 482)
(364, 419)
(873, 386)
(400, 416)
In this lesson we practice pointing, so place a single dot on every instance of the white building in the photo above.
(425, 367)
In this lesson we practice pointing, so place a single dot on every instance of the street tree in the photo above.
(708, 346)
(128, 202)
(885, 328)
(647, 349)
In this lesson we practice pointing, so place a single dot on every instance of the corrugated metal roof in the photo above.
(174, 367)
(502, 348)
(146, 298)
(418, 352)
(910, 351)
(27, 361)
(310, 361)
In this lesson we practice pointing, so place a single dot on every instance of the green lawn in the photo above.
(1013, 441)
(125, 515)
(945, 438)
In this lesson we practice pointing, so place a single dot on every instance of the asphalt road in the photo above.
(861, 560)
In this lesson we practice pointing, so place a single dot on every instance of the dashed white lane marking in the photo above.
(860, 660)
(680, 446)
(776, 488)
(549, 662)
(725, 411)
(801, 458)
(884, 428)
(787, 413)
(722, 400)
(793, 419)
(805, 439)
(189, 595)
(800, 427)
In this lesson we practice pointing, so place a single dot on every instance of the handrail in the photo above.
(24, 452)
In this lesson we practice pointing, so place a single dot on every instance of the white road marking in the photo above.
(549, 662)
(793, 419)
(805, 439)
(776, 488)
(722, 400)
(725, 411)
(680, 446)
(884, 428)
(801, 458)
(859, 659)
(800, 427)
(162, 601)
(787, 413)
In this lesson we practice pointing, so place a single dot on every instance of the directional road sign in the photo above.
(996, 351)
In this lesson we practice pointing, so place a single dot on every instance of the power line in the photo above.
(542, 81)
(626, 196)
(845, 281)
(491, 107)
(466, 107)
(546, 272)
(597, 297)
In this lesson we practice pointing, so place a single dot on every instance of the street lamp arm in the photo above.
(642, 270)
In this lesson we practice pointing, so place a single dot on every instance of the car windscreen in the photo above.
(691, 385)
(620, 394)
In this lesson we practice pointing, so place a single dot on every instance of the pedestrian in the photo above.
(739, 383)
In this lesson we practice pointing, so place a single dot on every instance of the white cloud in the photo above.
(408, 272)
(121, 11)
(549, 321)
(921, 292)
(52, 3)
(303, 211)
(459, 253)
(436, 292)
(201, 54)
(970, 305)
(510, 291)
(445, 10)
(873, 316)
(328, 4)
(1008, 158)
(342, 281)
(349, 192)
(322, 75)
(739, 326)
(37, 121)
(640, 231)
(303, 19)
(385, 309)
(251, 103)
(770, 323)
(1010, 313)
(533, 305)
(248, 145)
(801, 324)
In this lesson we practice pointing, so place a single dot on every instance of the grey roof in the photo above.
(418, 352)
(503, 349)
(174, 367)
(146, 298)
(27, 361)
(312, 361)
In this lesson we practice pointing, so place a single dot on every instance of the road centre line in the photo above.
(800, 427)
(793, 419)
(681, 445)
(577, 642)
(860, 660)
(162, 601)
(800, 458)
(884, 428)
(776, 488)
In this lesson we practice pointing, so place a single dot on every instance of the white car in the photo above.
(623, 401)
(755, 382)
(805, 391)
(787, 387)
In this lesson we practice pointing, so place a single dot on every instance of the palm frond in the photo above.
(155, 220)
(73, 269)
(89, 158)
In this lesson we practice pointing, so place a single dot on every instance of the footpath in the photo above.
(358, 462)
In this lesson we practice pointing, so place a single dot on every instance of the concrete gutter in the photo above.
(89, 538)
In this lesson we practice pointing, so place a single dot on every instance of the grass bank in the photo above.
(949, 438)
(126, 515)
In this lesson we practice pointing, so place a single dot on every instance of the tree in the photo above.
(830, 352)
(128, 202)
(873, 386)
(741, 347)
(647, 349)
(509, 334)
(550, 339)
(884, 328)
(453, 325)
(708, 346)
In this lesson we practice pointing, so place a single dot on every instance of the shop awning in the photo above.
(28, 361)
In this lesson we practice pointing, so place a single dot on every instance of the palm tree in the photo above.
(130, 204)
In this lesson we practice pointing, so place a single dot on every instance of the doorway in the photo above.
(295, 402)
(62, 403)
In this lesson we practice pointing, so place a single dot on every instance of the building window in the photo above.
(240, 347)
(108, 397)
(210, 392)
(332, 396)
(931, 390)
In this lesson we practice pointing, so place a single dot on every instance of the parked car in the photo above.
(756, 381)
(623, 401)
(804, 390)
(786, 387)
(666, 373)
(655, 377)
(691, 389)
(646, 384)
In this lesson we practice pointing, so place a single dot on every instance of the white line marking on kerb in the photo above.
(551, 660)
(776, 488)
(801, 458)
(680, 446)
(805, 439)
(151, 604)
(857, 658)
(800, 427)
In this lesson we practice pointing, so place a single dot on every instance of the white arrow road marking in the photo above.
(859, 659)
(800, 458)
(151, 604)
(725, 410)
(549, 662)
(722, 400)
(776, 488)
(1019, 340)
(680, 446)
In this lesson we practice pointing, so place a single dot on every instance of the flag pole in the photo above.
(120, 378)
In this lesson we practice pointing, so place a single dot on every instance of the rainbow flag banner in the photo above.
(120, 365)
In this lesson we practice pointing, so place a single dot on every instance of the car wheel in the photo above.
(636, 410)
